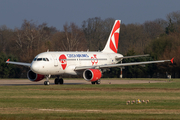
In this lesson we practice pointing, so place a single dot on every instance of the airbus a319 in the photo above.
(90, 65)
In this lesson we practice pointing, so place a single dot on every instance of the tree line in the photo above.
(160, 38)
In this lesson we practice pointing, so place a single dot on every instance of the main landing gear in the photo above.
(47, 80)
(96, 82)
(58, 81)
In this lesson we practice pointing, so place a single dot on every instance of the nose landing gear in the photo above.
(47, 80)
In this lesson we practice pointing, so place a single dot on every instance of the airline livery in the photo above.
(90, 65)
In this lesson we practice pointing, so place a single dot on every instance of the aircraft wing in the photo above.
(119, 58)
(121, 65)
(18, 63)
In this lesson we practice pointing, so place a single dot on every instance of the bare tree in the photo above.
(70, 39)
(93, 32)
(44, 35)
(73, 38)
(19, 39)
(31, 39)
(174, 21)
(175, 17)
(5, 36)
(132, 37)
(153, 29)
(97, 31)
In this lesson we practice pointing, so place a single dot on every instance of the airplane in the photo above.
(90, 65)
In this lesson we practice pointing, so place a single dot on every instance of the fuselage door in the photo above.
(55, 60)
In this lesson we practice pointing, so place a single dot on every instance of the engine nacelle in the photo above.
(92, 74)
(34, 77)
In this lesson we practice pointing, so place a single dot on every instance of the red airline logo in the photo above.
(62, 59)
(115, 37)
(94, 60)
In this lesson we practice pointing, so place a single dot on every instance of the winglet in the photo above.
(7, 61)
(172, 60)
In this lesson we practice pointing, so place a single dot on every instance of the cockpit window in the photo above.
(47, 59)
(39, 59)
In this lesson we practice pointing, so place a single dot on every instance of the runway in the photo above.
(12, 82)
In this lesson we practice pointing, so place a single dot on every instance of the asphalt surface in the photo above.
(10, 82)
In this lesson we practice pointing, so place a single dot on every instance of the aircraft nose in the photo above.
(34, 67)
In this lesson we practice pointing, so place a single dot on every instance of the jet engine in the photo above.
(34, 77)
(92, 75)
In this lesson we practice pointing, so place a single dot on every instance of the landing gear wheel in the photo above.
(61, 81)
(56, 81)
(46, 82)
(93, 83)
(98, 82)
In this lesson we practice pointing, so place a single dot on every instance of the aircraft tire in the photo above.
(46, 82)
(61, 81)
(98, 81)
(93, 83)
(56, 81)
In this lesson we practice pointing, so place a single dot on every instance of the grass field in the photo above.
(101, 102)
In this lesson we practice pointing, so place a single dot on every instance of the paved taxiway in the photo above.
(9, 82)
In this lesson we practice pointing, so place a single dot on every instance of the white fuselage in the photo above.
(58, 63)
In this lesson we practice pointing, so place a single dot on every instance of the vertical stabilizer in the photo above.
(112, 43)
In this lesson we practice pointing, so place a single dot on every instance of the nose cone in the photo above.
(35, 67)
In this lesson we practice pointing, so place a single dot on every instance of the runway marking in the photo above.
(126, 111)
(52, 110)
(12, 82)
(142, 111)
(59, 110)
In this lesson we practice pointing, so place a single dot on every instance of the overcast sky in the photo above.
(57, 12)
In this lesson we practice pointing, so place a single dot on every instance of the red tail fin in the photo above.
(112, 43)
